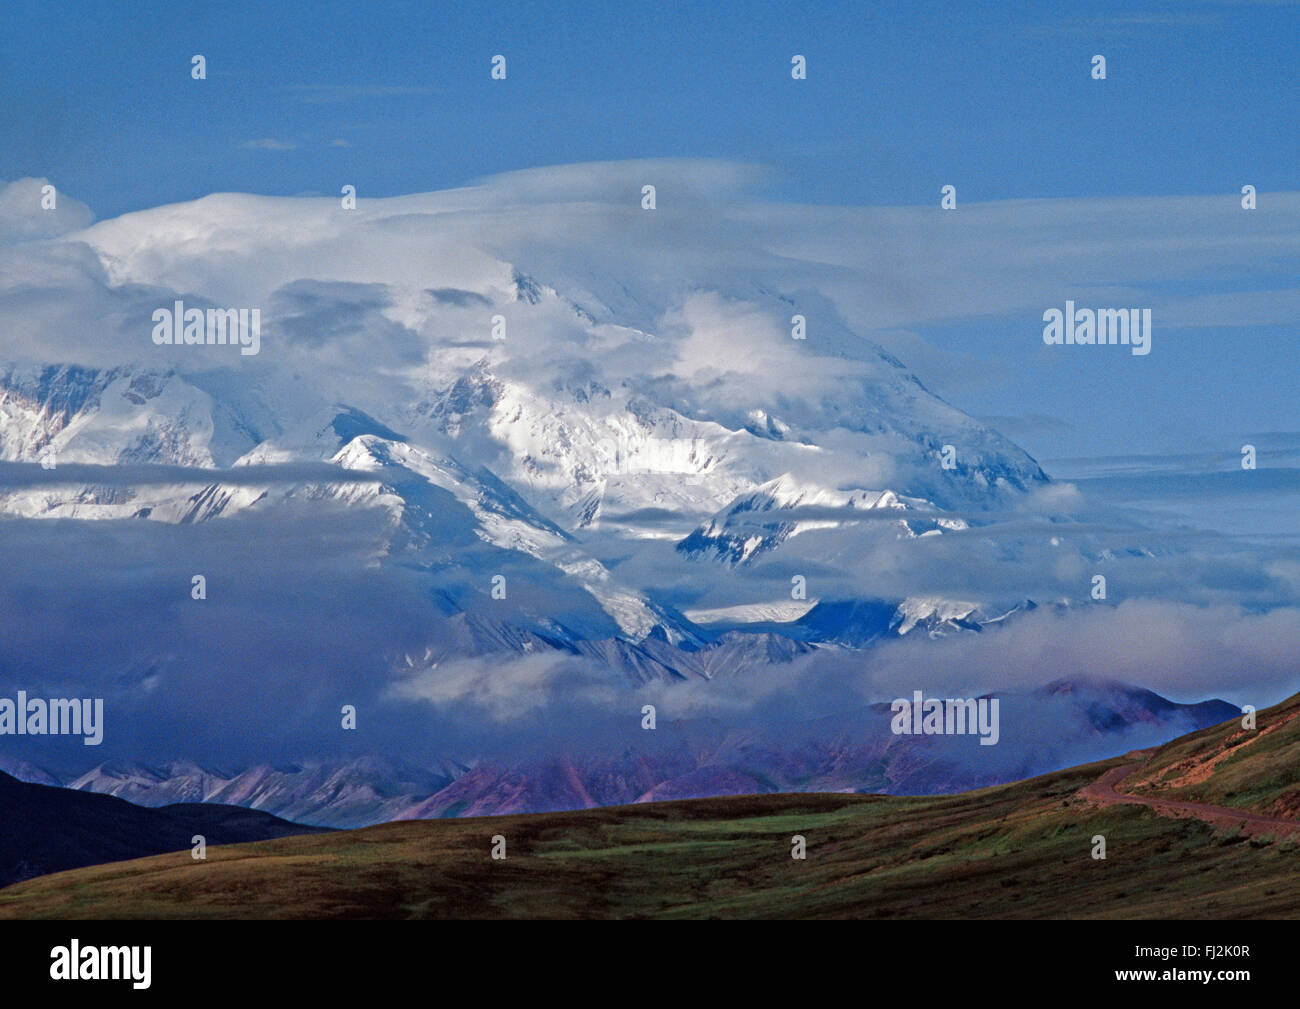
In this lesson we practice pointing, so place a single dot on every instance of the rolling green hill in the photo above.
(1014, 851)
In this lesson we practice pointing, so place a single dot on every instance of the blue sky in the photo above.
(900, 98)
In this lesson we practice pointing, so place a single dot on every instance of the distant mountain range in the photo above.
(1041, 730)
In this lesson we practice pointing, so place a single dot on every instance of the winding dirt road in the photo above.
(1105, 792)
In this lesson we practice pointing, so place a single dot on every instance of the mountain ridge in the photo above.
(698, 761)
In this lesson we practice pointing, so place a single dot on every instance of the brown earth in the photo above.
(1105, 791)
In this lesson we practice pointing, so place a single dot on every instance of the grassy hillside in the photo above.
(1021, 850)
(1227, 765)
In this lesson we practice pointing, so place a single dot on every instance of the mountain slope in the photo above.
(1255, 769)
(621, 413)
(44, 829)
(1014, 851)
(331, 794)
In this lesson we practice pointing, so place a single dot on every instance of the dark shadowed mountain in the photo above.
(45, 829)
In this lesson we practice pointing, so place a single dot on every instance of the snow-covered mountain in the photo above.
(341, 793)
(595, 454)
(626, 420)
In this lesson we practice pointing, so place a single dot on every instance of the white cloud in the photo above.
(23, 216)
(269, 144)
